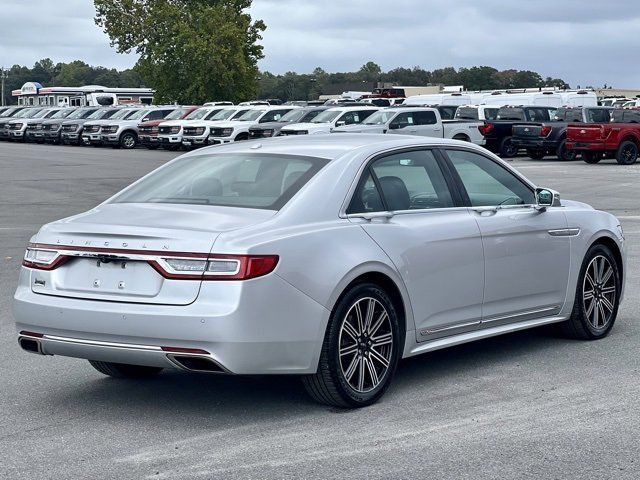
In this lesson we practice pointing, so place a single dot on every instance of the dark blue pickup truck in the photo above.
(499, 133)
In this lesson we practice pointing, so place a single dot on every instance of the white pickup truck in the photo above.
(422, 121)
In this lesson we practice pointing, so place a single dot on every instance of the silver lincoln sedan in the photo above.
(331, 257)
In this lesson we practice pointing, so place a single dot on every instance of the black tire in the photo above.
(580, 324)
(330, 384)
(536, 154)
(627, 153)
(507, 148)
(462, 138)
(128, 140)
(563, 153)
(591, 157)
(123, 370)
(241, 137)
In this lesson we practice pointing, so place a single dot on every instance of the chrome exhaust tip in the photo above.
(196, 363)
(31, 345)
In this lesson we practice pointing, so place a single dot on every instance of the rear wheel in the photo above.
(597, 296)
(536, 154)
(591, 157)
(627, 153)
(123, 370)
(563, 153)
(507, 148)
(360, 352)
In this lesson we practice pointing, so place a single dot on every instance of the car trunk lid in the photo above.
(110, 251)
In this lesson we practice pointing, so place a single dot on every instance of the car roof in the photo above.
(329, 146)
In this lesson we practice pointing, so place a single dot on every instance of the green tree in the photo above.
(190, 50)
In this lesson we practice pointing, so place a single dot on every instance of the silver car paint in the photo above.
(276, 323)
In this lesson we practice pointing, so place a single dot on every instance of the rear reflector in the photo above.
(31, 334)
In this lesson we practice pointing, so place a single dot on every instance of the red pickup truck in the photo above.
(619, 139)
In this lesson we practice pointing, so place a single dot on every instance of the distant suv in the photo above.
(541, 139)
(476, 112)
(170, 132)
(238, 129)
(272, 129)
(72, 126)
(48, 129)
(331, 118)
(196, 134)
(18, 127)
(123, 132)
(148, 131)
(498, 133)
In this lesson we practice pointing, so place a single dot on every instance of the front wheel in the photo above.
(597, 296)
(536, 154)
(123, 370)
(627, 153)
(591, 157)
(360, 352)
(128, 140)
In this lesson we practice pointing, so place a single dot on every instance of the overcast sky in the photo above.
(581, 41)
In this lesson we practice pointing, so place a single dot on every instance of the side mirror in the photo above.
(341, 123)
(394, 126)
(145, 119)
(547, 198)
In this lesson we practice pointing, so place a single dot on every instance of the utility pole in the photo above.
(3, 76)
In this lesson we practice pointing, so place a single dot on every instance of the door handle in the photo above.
(485, 211)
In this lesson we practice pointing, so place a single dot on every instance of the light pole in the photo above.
(3, 76)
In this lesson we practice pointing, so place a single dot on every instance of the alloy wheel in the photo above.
(365, 345)
(599, 292)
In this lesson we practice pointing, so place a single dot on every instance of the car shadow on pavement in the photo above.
(202, 396)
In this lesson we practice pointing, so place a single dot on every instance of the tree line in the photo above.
(287, 86)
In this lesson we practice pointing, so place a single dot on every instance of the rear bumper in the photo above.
(535, 143)
(587, 146)
(259, 326)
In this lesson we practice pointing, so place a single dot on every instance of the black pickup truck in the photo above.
(542, 139)
(498, 133)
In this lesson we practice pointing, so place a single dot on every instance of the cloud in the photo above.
(579, 41)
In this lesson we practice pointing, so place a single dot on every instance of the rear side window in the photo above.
(599, 115)
(467, 113)
(403, 181)
(625, 116)
(264, 181)
(425, 118)
(491, 113)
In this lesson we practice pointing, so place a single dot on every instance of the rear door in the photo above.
(432, 240)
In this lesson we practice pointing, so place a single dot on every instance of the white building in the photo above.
(32, 93)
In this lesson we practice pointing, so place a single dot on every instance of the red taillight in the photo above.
(197, 351)
(486, 129)
(545, 131)
(216, 267)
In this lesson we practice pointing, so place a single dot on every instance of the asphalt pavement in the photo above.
(525, 405)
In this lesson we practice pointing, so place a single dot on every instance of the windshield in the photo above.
(177, 114)
(244, 180)
(380, 118)
(222, 115)
(137, 114)
(250, 115)
(295, 116)
(197, 114)
(81, 113)
(44, 113)
(63, 113)
(100, 113)
(28, 112)
(120, 114)
(327, 116)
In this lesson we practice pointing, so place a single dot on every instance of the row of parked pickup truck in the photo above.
(595, 132)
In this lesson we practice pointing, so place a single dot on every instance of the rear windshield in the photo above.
(265, 181)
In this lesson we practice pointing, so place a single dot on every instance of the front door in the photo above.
(526, 250)
(434, 243)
